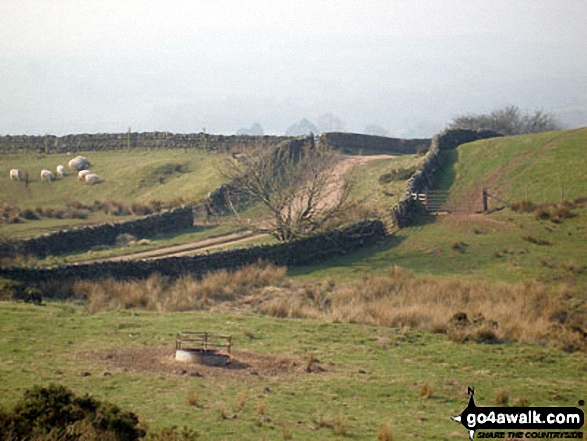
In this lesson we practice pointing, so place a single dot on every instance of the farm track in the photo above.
(188, 248)
(241, 236)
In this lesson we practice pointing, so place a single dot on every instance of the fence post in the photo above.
(485, 205)
(426, 201)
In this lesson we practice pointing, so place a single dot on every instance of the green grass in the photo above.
(371, 375)
(138, 176)
(494, 250)
(376, 194)
(193, 234)
(494, 246)
(511, 167)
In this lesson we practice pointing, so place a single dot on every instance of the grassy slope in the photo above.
(372, 375)
(138, 176)
(510, 166)
(494, 246)
(374, 193)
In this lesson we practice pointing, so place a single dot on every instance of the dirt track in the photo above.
(340, 169)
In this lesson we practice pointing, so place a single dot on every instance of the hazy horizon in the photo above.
(404, 67)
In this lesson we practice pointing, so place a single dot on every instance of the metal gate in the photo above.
(439, 201)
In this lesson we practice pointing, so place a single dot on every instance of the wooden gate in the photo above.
(439, 201)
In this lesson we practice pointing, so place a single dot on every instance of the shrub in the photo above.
(29, 214)
(55, 412)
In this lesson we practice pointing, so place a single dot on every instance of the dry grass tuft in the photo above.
(309, 362)
(287, 431)
(502, 397)
(426, 391)
(241, 401)
(193, 398)
(340, 426)
(521, 402)
(384, 433)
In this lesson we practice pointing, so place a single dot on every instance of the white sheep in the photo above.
(82, 174)
(16, 174)
(60, 171)
(79, 163)
(92, 178)
(47, 175)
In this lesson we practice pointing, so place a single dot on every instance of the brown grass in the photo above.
(241, 401)
(399, 299)
(158, 293)
(426, 391)
(502, 397)
(489, 313)
(521, 402)
(384, 433)
(193, 398)
(287, 431)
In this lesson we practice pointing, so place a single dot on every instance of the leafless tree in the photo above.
(297, 187)
(508, 121)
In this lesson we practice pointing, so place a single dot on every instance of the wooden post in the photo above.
(485, 205)
(426, 201)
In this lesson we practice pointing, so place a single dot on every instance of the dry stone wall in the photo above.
(403, 213)
(123, 141)
(84, 238)
(354, 144)
(300, 252)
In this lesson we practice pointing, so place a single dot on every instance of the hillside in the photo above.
(141, 177)
(514, 167)
(502, 246)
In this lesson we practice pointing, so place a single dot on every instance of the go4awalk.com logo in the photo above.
(521, 422)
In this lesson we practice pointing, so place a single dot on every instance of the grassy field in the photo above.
(379, 193)
(512, 167)
(380, 342)
(128, 177)
(495, 247)
(362, 376)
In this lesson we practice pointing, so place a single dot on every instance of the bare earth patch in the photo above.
(161, 360)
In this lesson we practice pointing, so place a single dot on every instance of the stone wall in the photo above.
(299, 252)
(451, 139)
(84, 238)
(403, 213)
(123, 141)
(354, 144)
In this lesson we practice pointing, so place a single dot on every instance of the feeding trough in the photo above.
(203, 347)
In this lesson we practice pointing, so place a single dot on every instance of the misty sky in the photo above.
(407, 66)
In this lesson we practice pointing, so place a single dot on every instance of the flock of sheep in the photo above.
(80, 163)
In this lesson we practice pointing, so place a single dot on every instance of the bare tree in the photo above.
(295, 185)
(508, 121)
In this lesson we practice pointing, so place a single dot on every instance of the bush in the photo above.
(55, 412)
